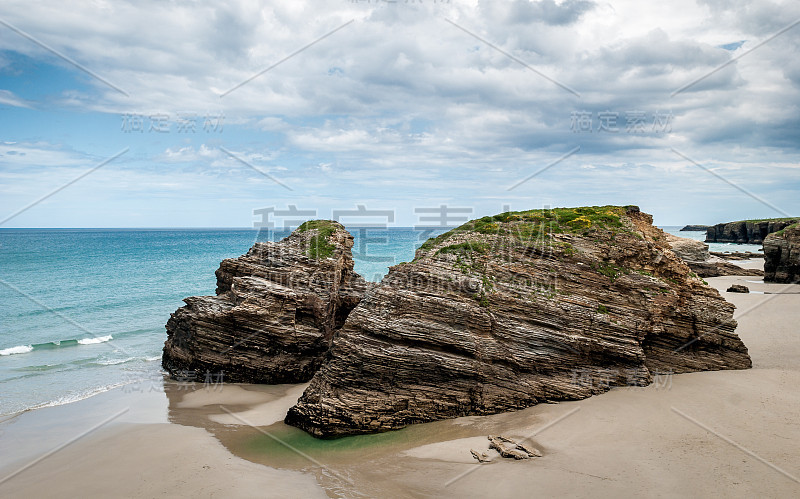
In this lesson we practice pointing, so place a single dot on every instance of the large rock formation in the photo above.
(746, 231)
(696, 255)
(782, 255)
(695, 228)
(509, 311)
(275, 311)
(690, 250)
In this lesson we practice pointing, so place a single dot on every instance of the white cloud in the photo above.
(401, 95)
(8, 98)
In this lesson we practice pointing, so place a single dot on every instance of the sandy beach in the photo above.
(711, 434)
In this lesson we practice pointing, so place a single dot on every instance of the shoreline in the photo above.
(630, 440)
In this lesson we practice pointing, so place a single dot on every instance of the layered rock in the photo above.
(690, 250)
(737, 255)
(746, 231)
(717, 267)
(782, 255)
(696, 255)
(509, 311)
(275, 311)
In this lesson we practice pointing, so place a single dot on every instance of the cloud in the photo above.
(401, 95)
(548, 11)
(8, 98)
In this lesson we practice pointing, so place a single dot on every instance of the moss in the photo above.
(488, 285)
(536, 224)
(610, 270)
(536, 227)
(780, 232)
(434, 241)
(482, 300)
(756, 220)
(319, 246)
(602, 309)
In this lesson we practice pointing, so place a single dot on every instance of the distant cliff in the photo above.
(695, 228)
(747, 231)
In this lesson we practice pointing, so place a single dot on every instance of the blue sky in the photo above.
(401, 106)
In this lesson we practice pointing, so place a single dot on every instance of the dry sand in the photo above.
(711, 434)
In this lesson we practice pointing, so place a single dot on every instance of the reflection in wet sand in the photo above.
(349, 466)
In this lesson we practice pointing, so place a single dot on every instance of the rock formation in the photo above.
(275, 311)
(737, 255)
(782, 255)
(690, 250)
(695, 228)
(746, 231)
(509, 311)
(738, 288)
(716, 267)
(482, 457)
(510, 449)
(696, 255)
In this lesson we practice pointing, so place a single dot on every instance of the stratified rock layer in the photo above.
(509, 311)
(750, 232)
(696, 255)
(275, 312)
(782, 256)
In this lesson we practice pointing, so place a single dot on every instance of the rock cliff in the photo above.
(746, 231)
(695, 228)
(696, 255)
(275, 311)
(782, 255)
(509, 311)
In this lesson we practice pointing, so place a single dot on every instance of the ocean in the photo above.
(83, 310)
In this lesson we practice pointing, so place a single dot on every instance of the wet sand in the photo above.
(718, 434)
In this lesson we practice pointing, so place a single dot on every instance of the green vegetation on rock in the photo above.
(755, 220)
(319, 246)
(793, 226)
(534, 226)
(610, 270)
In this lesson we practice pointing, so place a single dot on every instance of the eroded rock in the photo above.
(696, 255)
(275, 313)
(782, 256)
(511, 449)
(482, 457)
(509, 311)
(746, 231)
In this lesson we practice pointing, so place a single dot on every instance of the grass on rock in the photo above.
(319, 246)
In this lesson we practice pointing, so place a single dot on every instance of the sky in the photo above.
(198, 114)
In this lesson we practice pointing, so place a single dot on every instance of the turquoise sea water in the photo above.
(83, 310)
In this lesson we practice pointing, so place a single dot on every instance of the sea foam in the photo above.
(91, 341)
(17, 349)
